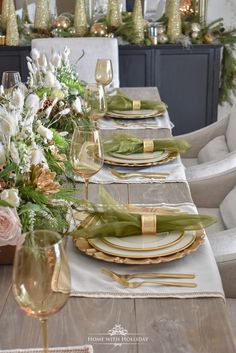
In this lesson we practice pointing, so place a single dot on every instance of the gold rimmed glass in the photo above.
(86, 153)
(10, 79)
(94, 101)
(104, 72)
(41, 276)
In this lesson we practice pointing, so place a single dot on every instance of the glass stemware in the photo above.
(10, 79)
(94, 101)
(86, 153)
(104, 72)
(41, 276)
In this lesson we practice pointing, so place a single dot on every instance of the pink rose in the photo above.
(10, 227)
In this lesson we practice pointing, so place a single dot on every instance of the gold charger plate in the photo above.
(84, 246)
(108, 159)
(134, 114)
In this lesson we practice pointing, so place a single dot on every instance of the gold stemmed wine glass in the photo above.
(86, 153)
(41, 276)
(94, 101)
(104, 72)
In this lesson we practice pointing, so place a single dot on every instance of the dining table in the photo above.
(164, 324)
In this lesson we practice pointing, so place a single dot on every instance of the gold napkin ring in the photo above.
(149, 224)
(148, 145)
(136, 105)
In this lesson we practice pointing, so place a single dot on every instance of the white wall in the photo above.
(227, 10)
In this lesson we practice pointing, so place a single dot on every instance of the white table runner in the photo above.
(175, 168)
(162, 122)
(89, 281)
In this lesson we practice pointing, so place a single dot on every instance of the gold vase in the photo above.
(5, 12)
(138, 22)
(12, 35)
(80, 20)
(114, 18)
(42, 14)
(167, 8)
(174, 29)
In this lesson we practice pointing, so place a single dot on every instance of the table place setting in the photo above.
(174, 261)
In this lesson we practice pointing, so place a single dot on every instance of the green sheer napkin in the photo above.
(122, 102)
(112, 219)
(124, 143)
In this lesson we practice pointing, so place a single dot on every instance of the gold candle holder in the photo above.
(2, 40)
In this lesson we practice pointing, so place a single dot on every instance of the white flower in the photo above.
(1, 90)
(43, 60)
(66, 53)
(8, 122)
(2, 154)
(10, 227)
(14, 153)
(45, 132)
(64, 112)
(37, 156)
(32, 103)
(35, 54)
(11, 196)
(77, 105)
(50, 79)
(56, 59)
(18, 99)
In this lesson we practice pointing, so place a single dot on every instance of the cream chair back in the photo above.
(93, 48)
(231, 130)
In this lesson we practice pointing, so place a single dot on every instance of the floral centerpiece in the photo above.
(32, 168)
(56, 82)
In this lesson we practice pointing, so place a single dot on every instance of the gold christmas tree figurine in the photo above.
(80, 20)
(42, 15)
(25, 12)
(114, 18)
(12, 36)
(174, 28)
(138, 22)
(5, 12)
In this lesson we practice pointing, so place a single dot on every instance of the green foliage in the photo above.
(228, 75)
(67, 195)
(7, 170)
(54, 164)
(60, 141)
(29, 193)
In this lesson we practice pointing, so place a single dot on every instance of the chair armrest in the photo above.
(199, 138)
(224, 248)
(211, 182)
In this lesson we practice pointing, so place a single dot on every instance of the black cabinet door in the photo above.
(135, 65)
(14, 59)
(188, 82)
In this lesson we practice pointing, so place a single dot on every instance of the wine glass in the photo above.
(86, 153)
(10, 79)
(41, 276)
(104, 72)
(94, 101)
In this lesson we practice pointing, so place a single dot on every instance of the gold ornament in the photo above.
(12, 36)
(25, 12)
(98, 29)
(62, 22)
(114, 18)
(80, 20)
(162, 38)
(209, 38)
(5, 13)
(174, 28)
(72, 31)
(196, 27)
(138, 22)
(42, 15)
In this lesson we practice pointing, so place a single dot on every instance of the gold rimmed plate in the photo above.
(134, 114)
(147, 243)
(160, 158)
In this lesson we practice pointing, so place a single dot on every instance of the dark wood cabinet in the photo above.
(187, 78)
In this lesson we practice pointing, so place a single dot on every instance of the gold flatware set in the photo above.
(123, 279)
(126, 175)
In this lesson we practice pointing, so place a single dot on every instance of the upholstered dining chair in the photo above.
(93, 48)
(215, 142)
(215, 194)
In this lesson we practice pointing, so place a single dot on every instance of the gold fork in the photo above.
(124, 175)
(123, 282)
(149, 275)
